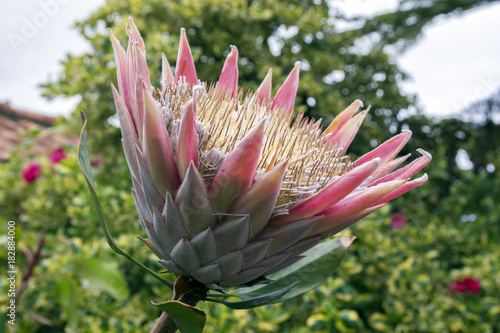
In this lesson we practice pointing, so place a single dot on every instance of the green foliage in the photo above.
(78, 281)
(187, 318)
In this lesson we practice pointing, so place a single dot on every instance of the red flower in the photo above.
(466, 284)
(398, 220)
(57, 156)
(31, 172)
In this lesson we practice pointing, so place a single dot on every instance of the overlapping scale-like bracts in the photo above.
(227, 188)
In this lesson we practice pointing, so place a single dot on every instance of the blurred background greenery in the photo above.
(400, 272)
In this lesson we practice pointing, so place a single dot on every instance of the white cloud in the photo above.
(456, 62)
(35, 37)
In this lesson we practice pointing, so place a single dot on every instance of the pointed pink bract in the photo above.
(348, 131)
(342, 118)
(157, 148)
(285, 97)
(187, 144)
(130, 99)
(259, 200)
(403, 189)
(385, 169)
(345, 209)
(387, 150)
(121, 67)
(229, 76)
(129, 134)
(167, 78)
(237, 172)
(339, 225)
(135, 35)
(263, 93)
(330, 195)
(185, 64)
(410, 170)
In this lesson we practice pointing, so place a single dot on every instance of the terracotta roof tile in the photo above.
(13, 122)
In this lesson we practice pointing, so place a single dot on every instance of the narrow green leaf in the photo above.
(253, 302)
(188, 319)
(320, 262)
(84, 163)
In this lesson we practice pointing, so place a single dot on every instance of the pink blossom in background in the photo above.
(57, 155)
(31, 172)
(466, 284)
(398, 220)
(96, 161)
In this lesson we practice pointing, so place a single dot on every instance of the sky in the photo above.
(455, 63)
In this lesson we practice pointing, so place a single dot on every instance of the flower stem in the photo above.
(185, 290)
(34, 260)
(164, 324)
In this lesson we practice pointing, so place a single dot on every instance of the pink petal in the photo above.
(388, 167)
(128, 130)
(349, 207)
(121, 67)
(330, 195)
(403, 189)
(263, 93)
(417, 165)
(237, 172)
(229, 76)
(131, 99)
(410, 170)
(339, 226)
(141, 79)
(387, 150)
(153, 196)
(157, 148)
(167, 78)
(259, 200)
(343, 117)
(285, 97)
(346, 133)
(135, 35)
(185, 64)
(187, 144)
(141, 67)
(126, 124)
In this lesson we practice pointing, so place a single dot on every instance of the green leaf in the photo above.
(320, 262)
(188, 319)
(67, 293)
(102, 275)
(252, 302)
(84, 163)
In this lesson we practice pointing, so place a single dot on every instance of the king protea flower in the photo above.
(230, 187)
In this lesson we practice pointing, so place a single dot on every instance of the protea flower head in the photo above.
(230, 187)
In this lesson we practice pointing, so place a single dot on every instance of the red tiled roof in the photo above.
(13, 122)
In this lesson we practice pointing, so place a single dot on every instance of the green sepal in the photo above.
(318, 264)
(189, 319)
(252, 302)
(84, 163)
